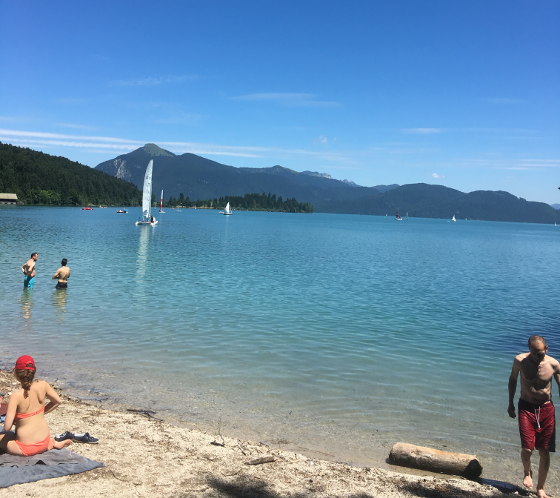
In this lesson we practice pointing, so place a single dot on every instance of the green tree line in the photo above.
(39, 178)
(248, 202)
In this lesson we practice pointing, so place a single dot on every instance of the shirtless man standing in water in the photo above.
(28, 269)
(536, 411)
(63, 274)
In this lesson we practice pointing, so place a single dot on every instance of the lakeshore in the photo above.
(332, 357)
(145, 456)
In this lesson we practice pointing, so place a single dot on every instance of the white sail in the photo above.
(161, 202)
(227, 210)
(147, 218)
(147, 191)
(453, 219)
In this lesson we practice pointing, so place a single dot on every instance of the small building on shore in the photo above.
(8, 198)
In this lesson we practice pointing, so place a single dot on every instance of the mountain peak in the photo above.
(154, 150)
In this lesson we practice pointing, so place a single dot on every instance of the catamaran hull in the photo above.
(151, 223)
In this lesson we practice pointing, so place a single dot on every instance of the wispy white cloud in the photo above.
(100, 143)
(155, 80)
(515, 164)
(529, 164)
(24, 120)
(507, 133)
(47, 144)
(288, 99)
(501, 131)
(48, 135)
(423, 131)
(437, 176)
(75, 126)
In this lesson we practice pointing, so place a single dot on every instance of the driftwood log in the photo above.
(261, 460)
(420, 457)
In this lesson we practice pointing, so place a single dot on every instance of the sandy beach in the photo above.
(144, 456)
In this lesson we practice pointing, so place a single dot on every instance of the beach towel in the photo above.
(16, 469)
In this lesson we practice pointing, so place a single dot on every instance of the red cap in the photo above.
(25, 363)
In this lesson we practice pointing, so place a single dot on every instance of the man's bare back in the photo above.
(62, 274)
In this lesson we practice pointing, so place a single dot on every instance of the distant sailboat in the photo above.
(453, 219)
(161, 203)
(227, 210)
(398, 216)
(147, 217)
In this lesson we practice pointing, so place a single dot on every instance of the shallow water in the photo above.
(333, 334)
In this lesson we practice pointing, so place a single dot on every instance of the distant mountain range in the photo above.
(199, 178)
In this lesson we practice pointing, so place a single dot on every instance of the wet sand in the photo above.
(144, 456)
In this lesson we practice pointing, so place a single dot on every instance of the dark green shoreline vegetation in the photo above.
(248, 202)
(42, 179)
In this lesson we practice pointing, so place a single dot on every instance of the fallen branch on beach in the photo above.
(261, 460)
(146, 413)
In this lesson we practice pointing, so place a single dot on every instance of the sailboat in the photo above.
(453, 219)
(398, 216)
(161, 203)
(147, 217)
(227, 210)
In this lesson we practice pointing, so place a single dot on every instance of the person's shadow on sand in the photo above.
(256, 488)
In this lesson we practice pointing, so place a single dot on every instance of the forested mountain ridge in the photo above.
(198, 178)
(39, 178)
(437, 201)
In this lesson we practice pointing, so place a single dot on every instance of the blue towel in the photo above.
(16, 469)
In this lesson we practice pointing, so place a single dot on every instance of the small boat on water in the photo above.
(227, 211)
(398, 216)
(122, 211)
(147, 217)
(453, 219)
(161, 202)
(87, 209)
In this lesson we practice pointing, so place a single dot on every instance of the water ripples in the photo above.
(321, 328)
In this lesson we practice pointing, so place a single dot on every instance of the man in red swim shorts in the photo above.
(536, 411)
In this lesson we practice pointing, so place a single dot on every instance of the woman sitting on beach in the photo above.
(26, 409)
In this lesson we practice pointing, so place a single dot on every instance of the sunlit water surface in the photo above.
(336, 335)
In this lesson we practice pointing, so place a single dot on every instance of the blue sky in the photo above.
(460, 93)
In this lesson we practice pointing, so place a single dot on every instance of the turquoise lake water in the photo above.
(335, 335)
